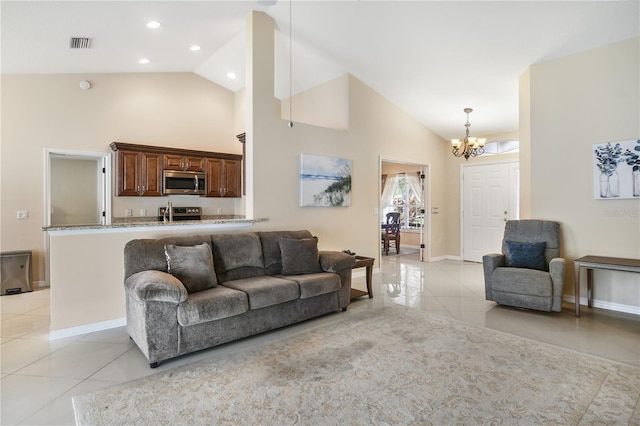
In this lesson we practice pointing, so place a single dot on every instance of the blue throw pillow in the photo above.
(526, 255)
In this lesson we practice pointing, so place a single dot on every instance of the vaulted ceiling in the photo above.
(431, 58)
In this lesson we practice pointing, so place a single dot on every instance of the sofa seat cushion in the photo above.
(315, 284)
(212, 304)
(266, 290)
(522, 281)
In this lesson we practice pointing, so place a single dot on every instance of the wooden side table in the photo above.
(364, 262)
(598, 262)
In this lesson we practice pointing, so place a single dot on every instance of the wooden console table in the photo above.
(364, 262)
(599, 262)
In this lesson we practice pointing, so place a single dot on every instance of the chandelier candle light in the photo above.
(470, 146)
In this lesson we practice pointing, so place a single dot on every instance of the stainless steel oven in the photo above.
(179, 213)
(174, 182)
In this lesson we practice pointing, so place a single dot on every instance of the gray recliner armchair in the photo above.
(529, 273)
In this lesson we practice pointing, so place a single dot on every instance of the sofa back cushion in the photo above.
(192, 265)
(271, 248)
(237, 256)
(300, 256)
(148, 254)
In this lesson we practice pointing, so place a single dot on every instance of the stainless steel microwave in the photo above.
(174, 182)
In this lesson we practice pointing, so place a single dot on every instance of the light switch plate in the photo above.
(23, 214)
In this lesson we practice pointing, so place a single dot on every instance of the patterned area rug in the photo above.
(384, 366)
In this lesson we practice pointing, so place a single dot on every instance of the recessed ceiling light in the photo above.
(194, 48)
(231, 75)
(153, 24)
(143, 61)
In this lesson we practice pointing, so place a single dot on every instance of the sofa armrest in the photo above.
(490, 262)
(341, 264)
(336, 261)
(156, 286)
(557, 267)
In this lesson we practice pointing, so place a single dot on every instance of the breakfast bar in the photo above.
(86, 268)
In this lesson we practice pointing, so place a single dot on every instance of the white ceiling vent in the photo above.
(79, 43)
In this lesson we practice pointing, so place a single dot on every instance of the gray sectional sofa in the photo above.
(188, 293)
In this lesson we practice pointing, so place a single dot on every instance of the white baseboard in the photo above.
(603, 304)
(87, 328)
(445, 257)
(39, 284)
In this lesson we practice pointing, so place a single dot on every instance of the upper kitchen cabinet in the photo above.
(139, 173)
(224, 177)
(139, 169)
(184, 163)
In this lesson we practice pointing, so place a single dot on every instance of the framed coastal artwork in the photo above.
(616, 170)
(325, 181)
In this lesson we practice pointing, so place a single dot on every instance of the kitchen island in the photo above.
(86, 268)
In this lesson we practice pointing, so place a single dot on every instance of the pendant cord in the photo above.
(290, 66)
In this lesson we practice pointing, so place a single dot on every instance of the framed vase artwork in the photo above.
(616, 170)
(325, 181)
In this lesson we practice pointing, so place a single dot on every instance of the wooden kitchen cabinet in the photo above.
(139, 173)
(139, 169)
(223, 177)
(189, 163)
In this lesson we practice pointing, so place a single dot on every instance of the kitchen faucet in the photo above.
(169, 209)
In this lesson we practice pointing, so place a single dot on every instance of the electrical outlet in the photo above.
(143, 212)
(128, 212)
(23, 214)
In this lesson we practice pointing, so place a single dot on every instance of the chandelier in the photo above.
(469, 146)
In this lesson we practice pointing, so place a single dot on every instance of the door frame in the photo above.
(425, 253)
(514, 189)
(104, 189)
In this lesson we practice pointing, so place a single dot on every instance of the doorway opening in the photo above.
(77, 191)
(404, 189)
(77, 188)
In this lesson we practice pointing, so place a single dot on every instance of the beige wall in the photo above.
(326, 105)
(576, 102)
(376, 128)
(525, 144)
(51, 111)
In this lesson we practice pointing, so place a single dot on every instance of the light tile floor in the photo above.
(38, 377)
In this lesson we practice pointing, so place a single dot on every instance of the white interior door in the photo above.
(488, 200)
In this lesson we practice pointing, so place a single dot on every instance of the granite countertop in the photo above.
(147, 222)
